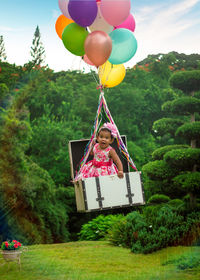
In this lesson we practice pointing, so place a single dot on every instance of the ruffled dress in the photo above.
(101, 164)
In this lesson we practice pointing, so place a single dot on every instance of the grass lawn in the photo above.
(96, 260)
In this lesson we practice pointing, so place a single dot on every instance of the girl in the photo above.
(104, 155)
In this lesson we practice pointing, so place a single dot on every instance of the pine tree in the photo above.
(2, 49)
(37, 49)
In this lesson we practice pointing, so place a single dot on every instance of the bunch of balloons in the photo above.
(101, 32)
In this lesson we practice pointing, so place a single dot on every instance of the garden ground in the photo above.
(97, 260)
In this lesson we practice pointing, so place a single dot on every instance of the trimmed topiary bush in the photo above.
(159, 170)
(158, 199)
(183, 159)
(159, 153)
(182, 106)
(190, 131)
(166, 125)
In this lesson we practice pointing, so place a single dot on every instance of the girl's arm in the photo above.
(118, 162)
(93, 144)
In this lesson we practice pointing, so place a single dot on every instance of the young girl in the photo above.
(104, 155)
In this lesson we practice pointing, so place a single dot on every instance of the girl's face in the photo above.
(104, 139)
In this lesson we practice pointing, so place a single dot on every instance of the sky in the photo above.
(161, 27)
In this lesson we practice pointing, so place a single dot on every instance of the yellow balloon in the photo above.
(111, 75)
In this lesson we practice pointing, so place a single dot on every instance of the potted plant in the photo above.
(11, 250)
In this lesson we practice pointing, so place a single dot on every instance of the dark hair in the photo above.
(105, 129)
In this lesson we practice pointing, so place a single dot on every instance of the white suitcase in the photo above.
(105, 192)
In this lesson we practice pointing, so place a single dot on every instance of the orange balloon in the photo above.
(61, 23)
(98, 47)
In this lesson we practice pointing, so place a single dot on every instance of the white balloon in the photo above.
(63, 5)
(100, 24)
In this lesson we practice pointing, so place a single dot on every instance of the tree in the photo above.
(2, 49)
(177, 166)
(37, 49)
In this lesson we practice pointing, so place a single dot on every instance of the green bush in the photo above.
(158, 227)
(186, 261)
(98, 228)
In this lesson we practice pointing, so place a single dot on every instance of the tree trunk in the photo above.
(192, 119)
(193, 200)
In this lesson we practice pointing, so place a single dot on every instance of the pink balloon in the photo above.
(63, 5)
(98, 47)
(100, 23)
(86, 59)
(115, 11)
(129, 23)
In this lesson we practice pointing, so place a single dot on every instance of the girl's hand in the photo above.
(120, 174)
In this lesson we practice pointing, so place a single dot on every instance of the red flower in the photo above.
(19, 244)
(6, 244)
(14, 241)
(15, 245)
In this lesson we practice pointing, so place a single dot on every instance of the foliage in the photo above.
(148, 233)
(3, 91)
(98, 228)
(11, 245)
(176, 61)
(166, 125)
(160, 152)
(159, 170)
(187, 81)
(37, 49)
(189, 181)
(10, 74)
(3, 55)
(28, 192)
(158, 198)
(189, 131)
(182, 106)
(183, 159)
(49, 146)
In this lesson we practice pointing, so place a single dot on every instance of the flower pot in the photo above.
(11, 255)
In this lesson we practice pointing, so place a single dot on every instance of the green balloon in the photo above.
(73, 38)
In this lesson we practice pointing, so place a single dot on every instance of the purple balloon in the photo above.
(83, 12)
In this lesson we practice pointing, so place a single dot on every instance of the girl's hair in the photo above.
(109, 127)
(105, 129)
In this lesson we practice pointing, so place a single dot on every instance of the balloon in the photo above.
(111, 75)
(124, 45)
(83, 12)
(115, 11)
(73, 38)
(98, 47)
(86, 59)
(129, 23)
(100, 23)
(61, 23)
(63, 5)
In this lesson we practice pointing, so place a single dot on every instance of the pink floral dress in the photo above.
(101, 165)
